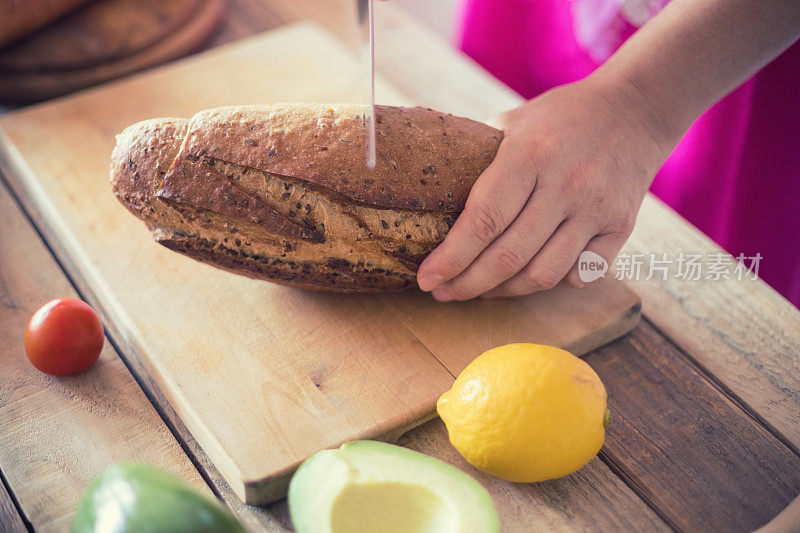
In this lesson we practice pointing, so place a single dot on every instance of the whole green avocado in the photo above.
(140, 498)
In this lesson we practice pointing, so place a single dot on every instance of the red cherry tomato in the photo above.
(64, 336)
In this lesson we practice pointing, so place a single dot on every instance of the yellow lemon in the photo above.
(526, 412)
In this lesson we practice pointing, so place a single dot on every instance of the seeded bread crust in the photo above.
(427, 161)
(245, 189)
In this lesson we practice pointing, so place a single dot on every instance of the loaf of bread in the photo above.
(282, 192)
(21, 17)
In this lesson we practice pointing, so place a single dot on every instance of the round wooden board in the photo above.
(102, 41)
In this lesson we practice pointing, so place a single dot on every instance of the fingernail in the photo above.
(442, 295)
(428, 282)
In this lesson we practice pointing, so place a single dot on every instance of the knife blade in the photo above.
(366, 24)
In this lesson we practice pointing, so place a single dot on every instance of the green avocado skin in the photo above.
(139, 498)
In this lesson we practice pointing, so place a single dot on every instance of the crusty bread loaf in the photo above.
(281, 192)
(19, 18)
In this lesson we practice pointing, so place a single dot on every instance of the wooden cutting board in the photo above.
(262, 375)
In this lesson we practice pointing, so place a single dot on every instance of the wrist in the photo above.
(647, 112)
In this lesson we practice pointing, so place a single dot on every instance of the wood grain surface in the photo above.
(680, 441)
(302, 370)
(10, 520)
(59, 432)
(743, 334)
(710, 362)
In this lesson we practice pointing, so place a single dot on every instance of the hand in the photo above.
(569, 176)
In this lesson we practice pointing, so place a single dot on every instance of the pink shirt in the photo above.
(735, 174)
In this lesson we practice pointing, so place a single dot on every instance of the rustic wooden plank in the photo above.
(10, 520)
(484, 93)
(742, 333)
(57, 433)
(683, 445)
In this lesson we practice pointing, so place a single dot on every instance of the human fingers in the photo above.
(606, 246)
(551, 264)
(509, 253)
(493, 203)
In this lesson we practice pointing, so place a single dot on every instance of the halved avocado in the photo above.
(139, 498)
(370, 486)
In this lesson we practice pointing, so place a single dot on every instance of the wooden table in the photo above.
(705, 391)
